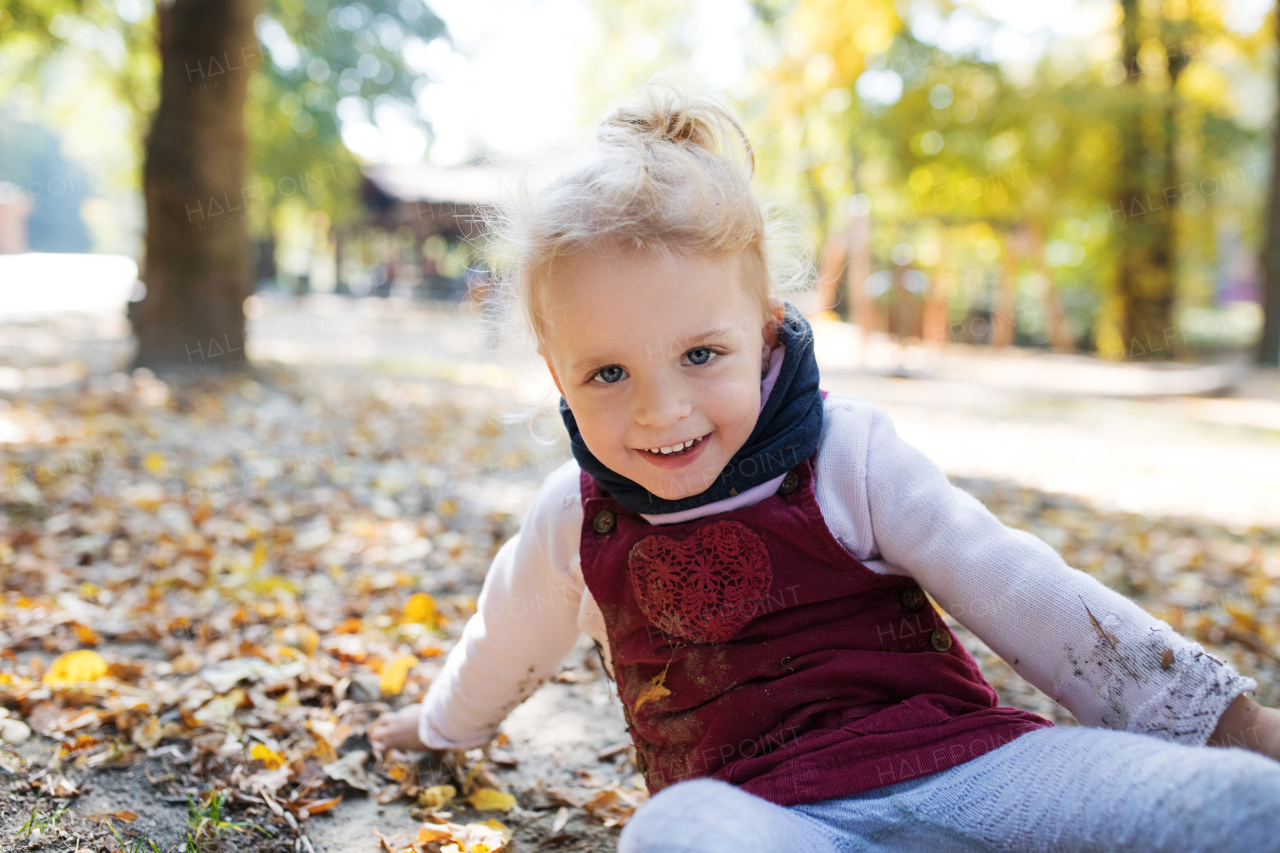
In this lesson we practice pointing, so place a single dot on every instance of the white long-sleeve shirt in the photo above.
(893, 509)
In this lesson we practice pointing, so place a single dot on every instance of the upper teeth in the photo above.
(675, 448)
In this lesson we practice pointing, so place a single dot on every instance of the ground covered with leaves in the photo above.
(212, 587)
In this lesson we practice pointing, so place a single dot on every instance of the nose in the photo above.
(661, 405)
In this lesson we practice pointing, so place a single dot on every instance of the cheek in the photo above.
(602, 426)
(734, 405)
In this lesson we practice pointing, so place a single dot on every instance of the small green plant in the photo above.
(206, 821)
(38, 824)
(142, 844)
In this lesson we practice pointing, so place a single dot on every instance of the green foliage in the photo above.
(38, 823)
(206, 821)
(139, 844)
(971, 149)
(320, 58)
(311, 56)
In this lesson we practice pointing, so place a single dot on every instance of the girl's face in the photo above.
(660, 359)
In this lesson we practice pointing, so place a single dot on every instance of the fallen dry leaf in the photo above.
(75, 667)
(350, 769)
(393, 674)
(490, 799)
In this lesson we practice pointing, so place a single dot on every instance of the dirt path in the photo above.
(260, 565)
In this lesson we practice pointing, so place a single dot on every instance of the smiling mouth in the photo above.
(676, 449)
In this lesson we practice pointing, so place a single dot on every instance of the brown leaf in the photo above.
(350, 769)
(1166, 659)
(147, 734)
(386, 842)
(1102, 634)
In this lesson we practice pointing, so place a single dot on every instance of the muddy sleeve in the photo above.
(524, 625)
(1093, 650)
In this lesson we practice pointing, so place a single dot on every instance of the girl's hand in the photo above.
(397, 730)
(1250, 725)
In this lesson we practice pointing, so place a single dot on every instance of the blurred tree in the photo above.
(196, 269)
(945, 142)
(1269, 345)
(323, 60)
(331, 64)
(294, 71)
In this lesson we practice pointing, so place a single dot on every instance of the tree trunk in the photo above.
(1269, 346)
(194, 182)
(1059, 332)
(1003, 322)
(1144, 274)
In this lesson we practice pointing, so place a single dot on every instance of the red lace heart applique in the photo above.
(705, 588)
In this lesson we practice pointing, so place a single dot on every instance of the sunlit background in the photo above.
(953, 163)
(261, 437)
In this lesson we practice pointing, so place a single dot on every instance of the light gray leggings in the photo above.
(1065, 788)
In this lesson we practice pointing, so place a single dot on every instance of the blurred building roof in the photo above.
(431, 199)
(434, 184)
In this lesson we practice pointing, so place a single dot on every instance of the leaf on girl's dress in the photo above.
(653, 690)
(1166, 659)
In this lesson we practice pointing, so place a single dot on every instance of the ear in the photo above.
(770, 332)
(551, 367)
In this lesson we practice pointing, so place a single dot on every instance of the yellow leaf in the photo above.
(428, 834)
(651, 692)
(73, 667)
(490, 799)
(420, 608)
(436, 795)
(268, 756)
(259, 555)
(86, 635)
(393, 674)
(653, 689)
(154, 462)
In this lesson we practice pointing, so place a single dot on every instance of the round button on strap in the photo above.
(605, 521)
(912, 598)
(940, 639)
(790, 483)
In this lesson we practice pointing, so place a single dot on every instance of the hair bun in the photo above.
(663, 113)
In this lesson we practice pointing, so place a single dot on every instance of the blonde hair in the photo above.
(669, 170)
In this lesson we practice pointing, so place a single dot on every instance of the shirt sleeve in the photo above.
(1096, 652)
(524, 625)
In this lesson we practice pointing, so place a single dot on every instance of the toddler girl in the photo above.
(752, 558)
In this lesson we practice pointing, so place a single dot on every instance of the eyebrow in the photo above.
(715, 334)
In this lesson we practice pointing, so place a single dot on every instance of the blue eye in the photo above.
(700, 355)
(611, 374)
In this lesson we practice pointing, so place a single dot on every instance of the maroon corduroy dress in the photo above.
(795, 672)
